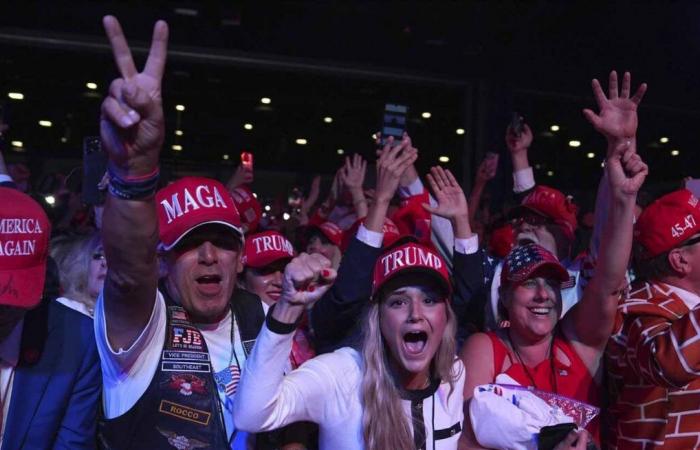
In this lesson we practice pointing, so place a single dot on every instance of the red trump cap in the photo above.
(263, 249)
(410, 258)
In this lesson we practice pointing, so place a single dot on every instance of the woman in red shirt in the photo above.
(538, 348)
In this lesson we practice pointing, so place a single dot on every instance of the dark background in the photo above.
(470, 64)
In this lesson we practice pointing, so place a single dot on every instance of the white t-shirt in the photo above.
(127, 373)
(327, 390)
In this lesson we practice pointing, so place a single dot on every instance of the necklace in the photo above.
(552, 374)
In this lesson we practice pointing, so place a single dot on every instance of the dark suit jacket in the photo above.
(57, 382)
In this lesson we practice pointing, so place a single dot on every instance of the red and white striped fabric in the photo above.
(653, 361)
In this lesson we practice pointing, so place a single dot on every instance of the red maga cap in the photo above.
(528, 261)
(191, 202)
(667, 222)
(410, 258)
(551, 203)
(248, 207)
(24, 247)
(265, 248)
(329, 230)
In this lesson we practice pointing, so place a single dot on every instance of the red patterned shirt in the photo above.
(653, 360)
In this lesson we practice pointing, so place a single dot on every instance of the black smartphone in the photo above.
(94, 168)
(516, 124)
(394, 123)
(551, 436)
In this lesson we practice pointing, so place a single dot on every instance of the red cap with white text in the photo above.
(191, 202)
(24, 247)
(410, 258)
(265, 248)
(668, 222)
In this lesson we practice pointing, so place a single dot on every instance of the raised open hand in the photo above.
(449, 195)
(626, 170)
(391, 166)
(617, 118)
(131, 124)
(353, 172)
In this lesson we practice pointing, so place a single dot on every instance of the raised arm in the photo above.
(266, 399)
(590, 322)
(352, 176)
(132, 132)
(485, 172)
(242, 175)
(518, 146)
(336, 314)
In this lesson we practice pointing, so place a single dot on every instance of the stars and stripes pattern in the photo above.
(227, 379)
(522, 260)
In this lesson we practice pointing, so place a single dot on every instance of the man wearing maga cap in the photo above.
(654, 353)
(171, 353)
(49, 372)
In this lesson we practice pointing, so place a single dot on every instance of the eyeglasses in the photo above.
(531, 219)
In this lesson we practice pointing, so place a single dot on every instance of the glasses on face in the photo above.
(531, 219)
(225, 241)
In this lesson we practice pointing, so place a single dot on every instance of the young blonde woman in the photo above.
(401, 390)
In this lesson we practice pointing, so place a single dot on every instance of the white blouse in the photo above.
(327, 390)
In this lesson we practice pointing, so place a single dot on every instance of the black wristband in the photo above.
(132, 189)
(278, 327)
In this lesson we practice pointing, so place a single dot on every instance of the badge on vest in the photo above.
(186, 384)
(184, 412)
(187, 338)
(181, 442)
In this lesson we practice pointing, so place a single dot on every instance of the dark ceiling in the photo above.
(469, 63)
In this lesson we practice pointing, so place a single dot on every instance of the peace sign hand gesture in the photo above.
(131, 124)
(617, 118)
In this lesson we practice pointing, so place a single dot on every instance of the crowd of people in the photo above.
(401, 315)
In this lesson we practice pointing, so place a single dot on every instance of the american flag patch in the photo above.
(569, 284)
(227, 379)
(179, 315)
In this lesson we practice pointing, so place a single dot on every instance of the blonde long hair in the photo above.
(384, 425)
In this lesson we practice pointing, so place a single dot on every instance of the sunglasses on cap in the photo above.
(691, 241)
(531, 219)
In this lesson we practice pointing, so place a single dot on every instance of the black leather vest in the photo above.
(181, 407)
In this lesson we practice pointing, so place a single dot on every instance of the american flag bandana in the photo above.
(227, 379)
(522, 262)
